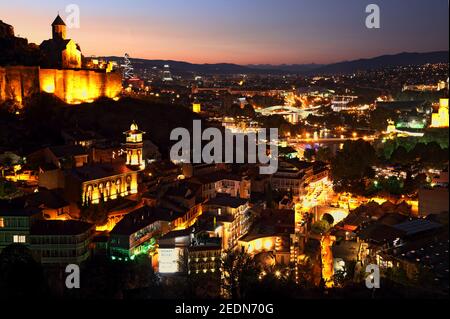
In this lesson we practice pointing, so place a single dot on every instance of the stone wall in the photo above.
(77, 86)
(17, 83)
(73, 86)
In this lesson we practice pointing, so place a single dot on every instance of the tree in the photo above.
(8, 190)
(328, 218)
(379, 118)
(6, 164)
(95, 214)
(248, 111)
(104, 278)
(393, 185)
(320, 227)
(324, 154)
(239, 272)
(400, 156)
(340, 277)
(20, 275)
(352, 165)
(309, 154)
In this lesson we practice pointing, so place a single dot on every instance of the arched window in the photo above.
(128, 181)
(118, 187)
(89, 194)
(108, 189)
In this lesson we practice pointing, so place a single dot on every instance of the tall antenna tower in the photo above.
(128, 71)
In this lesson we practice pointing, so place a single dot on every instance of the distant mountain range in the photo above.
(289, 68)
(384, 61)
(346, 67)
(179, 67)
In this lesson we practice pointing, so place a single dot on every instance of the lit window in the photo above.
(2, 223)
(19, 239)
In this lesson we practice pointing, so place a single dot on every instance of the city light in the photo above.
(222, 160)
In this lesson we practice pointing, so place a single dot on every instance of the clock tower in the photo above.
(133, 146)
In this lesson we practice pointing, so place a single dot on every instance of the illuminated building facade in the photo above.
(234, 215)
(272, 233)
(134, 145)
(278, 246)
(170, 259)
(135, 233)
(288, 178)
(172, 251)
(166, 74)
(92, 184)
(441, 118)
(206, 258)
(196, 107)
(224, 183)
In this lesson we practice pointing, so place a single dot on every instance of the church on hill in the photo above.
(57, 69)
(60, 52)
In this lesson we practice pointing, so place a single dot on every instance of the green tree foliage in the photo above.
(320, 227)
(405, 151)
(324, 154)
(393, 185)
(239, 271)
(353, 164)
(309, 154)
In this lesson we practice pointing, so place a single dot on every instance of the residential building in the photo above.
(59, 242)
(15, 223)
(233, 216)
(136, 233)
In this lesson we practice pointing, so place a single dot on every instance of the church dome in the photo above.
(134, 127)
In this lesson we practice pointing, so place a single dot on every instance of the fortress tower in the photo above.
(134, 145)
(59, 29)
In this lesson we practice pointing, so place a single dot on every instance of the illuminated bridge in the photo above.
(292, 114)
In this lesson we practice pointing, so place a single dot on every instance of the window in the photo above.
(19, 239)
(2, 222)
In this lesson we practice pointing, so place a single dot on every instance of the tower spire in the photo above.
(59, 28)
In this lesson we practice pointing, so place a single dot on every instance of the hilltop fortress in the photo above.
(54, 67)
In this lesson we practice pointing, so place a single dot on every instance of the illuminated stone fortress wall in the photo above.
(73, 86)
(18, 83)
(79, 85)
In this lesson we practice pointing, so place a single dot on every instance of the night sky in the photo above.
(240, 31)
